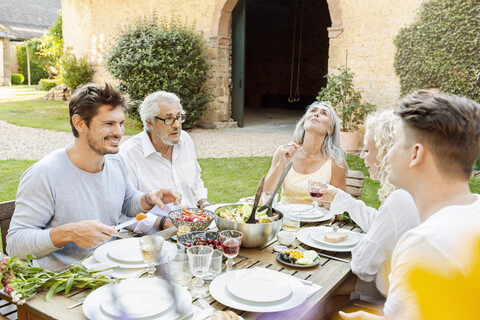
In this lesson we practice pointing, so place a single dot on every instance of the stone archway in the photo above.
(220, 42)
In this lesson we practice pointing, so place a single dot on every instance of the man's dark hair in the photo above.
(449, 126)
(86, 101)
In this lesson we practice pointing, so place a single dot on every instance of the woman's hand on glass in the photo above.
(328, 194)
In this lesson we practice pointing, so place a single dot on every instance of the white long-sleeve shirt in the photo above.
(148, 170)
(372, 256)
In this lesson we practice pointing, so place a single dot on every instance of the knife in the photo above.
(129, 222)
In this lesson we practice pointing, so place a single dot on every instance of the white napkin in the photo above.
(311, 289)
(117, 272)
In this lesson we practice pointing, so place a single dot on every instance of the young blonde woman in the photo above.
(316, 152)
(384, 227)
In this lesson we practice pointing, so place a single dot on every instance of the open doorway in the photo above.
(285, 56)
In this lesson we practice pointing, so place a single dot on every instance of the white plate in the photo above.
(306, 216)
(219, 291)
(138, 302)
(92, 304)
(304, 235)
(169, 251)
(258, 285)
(327, 216)
(352, 240)
(126, 252)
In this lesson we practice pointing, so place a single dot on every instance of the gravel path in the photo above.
(24, 143)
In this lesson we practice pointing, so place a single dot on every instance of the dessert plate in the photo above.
(258, 286)
(305, 236)
(101, 253)
(137, 303)
(352, 240)
(296, 265)
(220, 292)
(126, 252)
(95, 305)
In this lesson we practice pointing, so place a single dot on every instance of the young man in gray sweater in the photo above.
(69, 202)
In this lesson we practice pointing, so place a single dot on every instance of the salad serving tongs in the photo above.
(279, 183)
(251, 219)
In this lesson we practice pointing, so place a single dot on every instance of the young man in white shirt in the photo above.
(435, 149)
(163, 155)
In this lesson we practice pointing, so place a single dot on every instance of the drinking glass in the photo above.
(291, 219)
(199, 258)
(151, 247)
(314, 187)
(230, 240)
(179, 270)
(215, 267)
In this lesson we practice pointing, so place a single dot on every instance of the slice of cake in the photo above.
(335, 237)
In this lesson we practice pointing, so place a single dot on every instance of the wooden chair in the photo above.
(355, 181)
(8, 310)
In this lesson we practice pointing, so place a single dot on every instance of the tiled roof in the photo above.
(26, 19)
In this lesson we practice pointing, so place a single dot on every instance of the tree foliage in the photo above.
(346, 101)
(441, 49)
(51, 43)
(151, 56)
(37, 63)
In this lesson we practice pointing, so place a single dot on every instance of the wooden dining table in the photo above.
(329, 274)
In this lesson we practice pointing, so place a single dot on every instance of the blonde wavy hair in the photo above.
(380, 127)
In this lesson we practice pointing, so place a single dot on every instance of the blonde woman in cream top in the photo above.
(316, 153)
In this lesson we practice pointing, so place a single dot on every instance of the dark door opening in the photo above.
(269, 80)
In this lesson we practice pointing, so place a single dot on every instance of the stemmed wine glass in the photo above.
(151, 247)
(230, 240)
(314, 187)
(199, 258)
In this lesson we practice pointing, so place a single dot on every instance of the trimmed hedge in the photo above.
(17, 78)
(441, 49)
(150, 57)
(48, 84)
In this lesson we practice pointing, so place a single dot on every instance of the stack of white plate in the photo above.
(147, 298)
(258, 290)
(306, 212)
(314, 237)
(126, 253)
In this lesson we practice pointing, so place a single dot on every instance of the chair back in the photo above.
(355, 181)
(6, 212)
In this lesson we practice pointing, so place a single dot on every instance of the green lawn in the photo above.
(26, 107)
(227, 179)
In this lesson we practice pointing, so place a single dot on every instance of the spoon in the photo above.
(279, 183)
(251, 219)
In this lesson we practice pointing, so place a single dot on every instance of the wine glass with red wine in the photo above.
(230, 240)
(314, 188)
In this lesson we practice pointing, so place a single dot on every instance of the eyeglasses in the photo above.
(170, 120)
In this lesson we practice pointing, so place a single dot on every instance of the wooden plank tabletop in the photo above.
(328, 273)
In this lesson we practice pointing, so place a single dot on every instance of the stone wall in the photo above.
(369, 29)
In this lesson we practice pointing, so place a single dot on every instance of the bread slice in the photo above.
(335, 237)
(224, 315)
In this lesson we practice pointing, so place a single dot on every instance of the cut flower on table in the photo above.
(21, 280)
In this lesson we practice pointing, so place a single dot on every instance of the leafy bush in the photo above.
(149, 57)
(346, 101)
(37, 64)
(17, 78)
(51, 43)
(74, 72)
(441, 49)
(48, 84)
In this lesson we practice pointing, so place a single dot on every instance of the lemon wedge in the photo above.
(310, 255)
(304, 261)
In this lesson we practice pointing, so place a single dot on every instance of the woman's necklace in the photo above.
(310, 155)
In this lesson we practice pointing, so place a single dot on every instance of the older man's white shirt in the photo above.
(148, 170)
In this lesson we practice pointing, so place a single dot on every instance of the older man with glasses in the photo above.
(163, 155)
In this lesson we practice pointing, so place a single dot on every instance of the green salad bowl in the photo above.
(254, 234)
